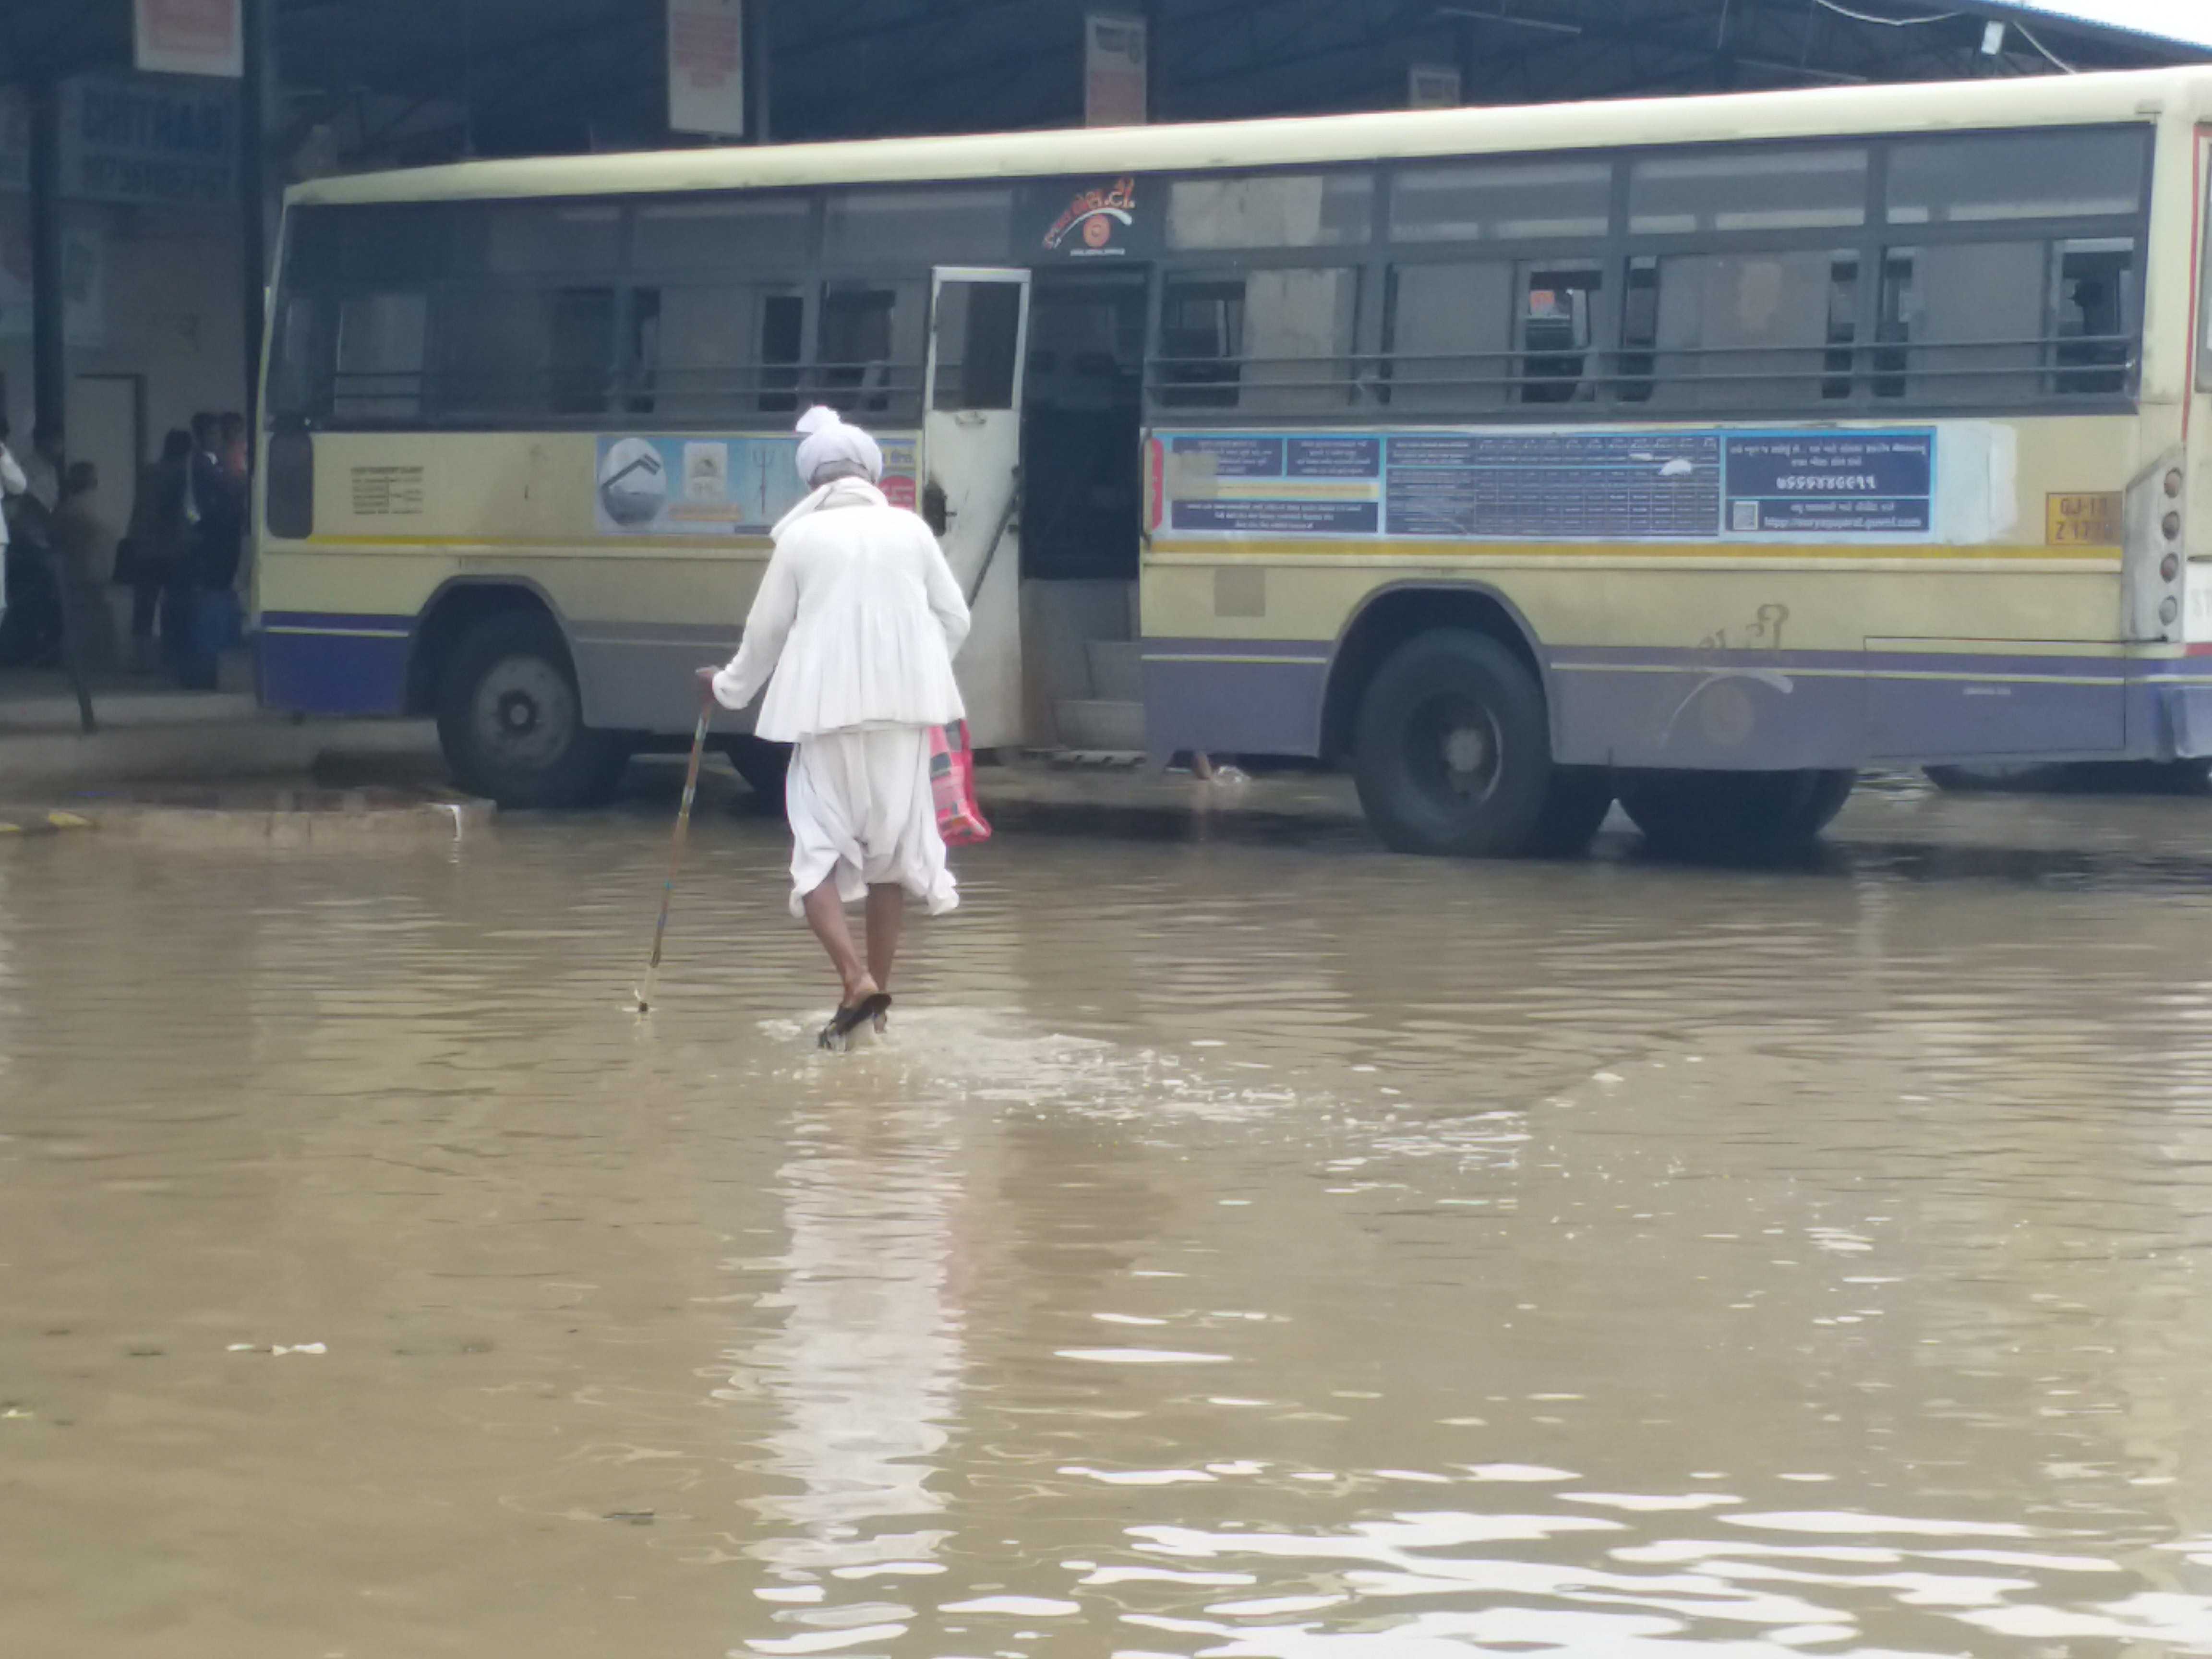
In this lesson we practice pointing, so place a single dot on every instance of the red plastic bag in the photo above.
(952, 781)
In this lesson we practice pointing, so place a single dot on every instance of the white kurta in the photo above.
(852, 634)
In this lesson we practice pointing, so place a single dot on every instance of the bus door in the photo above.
(970, 473)
(2146, 591)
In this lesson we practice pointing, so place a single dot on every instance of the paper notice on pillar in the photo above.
(190, 37)
(84, 284)
(706, 67)
(1114, 70)
(1432, 86)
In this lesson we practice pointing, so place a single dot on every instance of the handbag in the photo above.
(952, 783)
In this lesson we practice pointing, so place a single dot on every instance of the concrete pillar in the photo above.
(49, 316)
(760, 51)
(260, 115)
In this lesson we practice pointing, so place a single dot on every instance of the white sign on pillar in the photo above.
(1433, 86)
(706, 67)
(1114, 70)
(190, 37)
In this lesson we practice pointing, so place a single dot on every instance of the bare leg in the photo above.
(825, 914)
(886, 913)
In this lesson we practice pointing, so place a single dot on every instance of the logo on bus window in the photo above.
(1088, 226)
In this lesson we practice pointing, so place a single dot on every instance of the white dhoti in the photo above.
(861, 810)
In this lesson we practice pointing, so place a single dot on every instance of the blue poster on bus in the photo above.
(1832, 482)
(1536, 483)
(703, 484)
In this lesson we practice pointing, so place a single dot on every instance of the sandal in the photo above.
(850, 1017)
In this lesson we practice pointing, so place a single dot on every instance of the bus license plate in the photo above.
(2082, 520)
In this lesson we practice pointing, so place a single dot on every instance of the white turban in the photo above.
(826, 439)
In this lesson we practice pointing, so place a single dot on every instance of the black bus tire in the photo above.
(1690, 814)
(1451, 750)
(1575, 809)
(511, 720)
(762, 765)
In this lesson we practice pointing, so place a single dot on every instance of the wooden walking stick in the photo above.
(682, 824)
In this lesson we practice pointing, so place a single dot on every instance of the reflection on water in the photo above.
(864, 1366)
(1235, 1249)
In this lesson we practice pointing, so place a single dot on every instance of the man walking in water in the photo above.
(853, 634)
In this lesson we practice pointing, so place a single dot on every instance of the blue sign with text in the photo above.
(1842, 483)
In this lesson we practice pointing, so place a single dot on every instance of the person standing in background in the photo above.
(219, 494)
(154, 549)
(206, 465)
(237, 454)
(12, 483)
(237, 472)
(81, 547)
(42, 467)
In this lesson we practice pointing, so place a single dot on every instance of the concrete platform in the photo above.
(279, 815)
(157, 735)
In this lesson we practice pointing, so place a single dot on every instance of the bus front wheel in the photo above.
(1734, 814)
(511, 721)
(1452, 750)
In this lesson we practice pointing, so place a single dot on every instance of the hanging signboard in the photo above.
(190, 37)
(1114, 70)
(1432, 86)
(145, 141)
(14, 140)
(1101, 217)
(706, 67)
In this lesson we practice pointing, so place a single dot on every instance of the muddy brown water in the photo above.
(1235, 1248)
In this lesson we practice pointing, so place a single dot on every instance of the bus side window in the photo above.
(782, 348)
(1737, 330)
(582, 340)
(2094, 316)
(863, 362)
(1557, 329)
(1201, 342)
(1450, 336)
(379, 357)
(714, 352)
(2204, 284)
(1963, 322)
(1276, 339)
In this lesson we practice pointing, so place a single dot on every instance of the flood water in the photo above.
(1235, 1249)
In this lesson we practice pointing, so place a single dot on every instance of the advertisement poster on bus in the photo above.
(703, 484)
(1550, 485)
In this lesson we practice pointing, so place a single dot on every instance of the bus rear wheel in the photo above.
(1452, 752)
(1734, 814)
(762, 765)
(511, 720)
(1575, 809)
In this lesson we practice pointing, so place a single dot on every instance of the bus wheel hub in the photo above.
(1466, 751)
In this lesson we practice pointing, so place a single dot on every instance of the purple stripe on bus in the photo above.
(1733, 710)
(1236, 708)
(332, 673)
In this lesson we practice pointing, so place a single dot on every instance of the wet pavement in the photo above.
(1245, 1242)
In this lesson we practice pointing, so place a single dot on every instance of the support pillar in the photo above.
(760, 51)
(49, 313)
(258, 117)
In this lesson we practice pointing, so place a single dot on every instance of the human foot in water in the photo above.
(864, 1004)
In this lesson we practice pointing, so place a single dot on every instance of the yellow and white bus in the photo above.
(1692, 452)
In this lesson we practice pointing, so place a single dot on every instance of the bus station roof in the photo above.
(383, 83)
